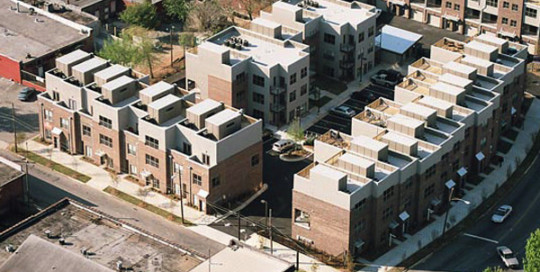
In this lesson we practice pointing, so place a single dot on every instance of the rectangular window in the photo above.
(429, 190)
(197, 179)
(388, 193)
(206, 159)
(216, 181)
(303, 72)
(360, 37)
(492, 3)
(132, 149)
(155, 183)
(360, 205)
(152, 161)
(254, 160)
(531, 12)
(292, 79)
(104, 140)
(448, 4)
(371, 31)
(505, 21)
(387, 213)
(506, 4)
(258, 80)
(106, 122)
(457, 7)
(513, 23)
(303, 90)
(86, 130)
(515, 7)
(133, 169)
(48, 115)
(151, 142)
(329, 38)
(64, 123)
(292, 96)
(187, 148)
(258, 98)
(408, 183)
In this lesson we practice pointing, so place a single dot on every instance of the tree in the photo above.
(177, 8)
(143, 14)
(295, 131)
(494, 269)
(121, 51)
(531, 263)
(186, 39)
(208, 16)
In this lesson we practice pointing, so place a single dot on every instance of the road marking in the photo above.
(481, 238)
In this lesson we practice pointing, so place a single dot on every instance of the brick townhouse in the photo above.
(407, 157)
(205, 151)
(267, 69)
(516, 20)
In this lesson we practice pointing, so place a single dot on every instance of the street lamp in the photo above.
(265, 210)
(450, 199)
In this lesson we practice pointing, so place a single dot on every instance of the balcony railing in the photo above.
(277, 107)
(346, 64)
(345, 47)
(277, 90)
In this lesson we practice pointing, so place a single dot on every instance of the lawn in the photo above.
(151, 208)
(319, 103)
(53, 165)
(329, 84)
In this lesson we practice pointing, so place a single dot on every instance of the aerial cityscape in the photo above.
(269, 136)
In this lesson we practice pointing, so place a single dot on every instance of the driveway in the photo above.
(26, 113)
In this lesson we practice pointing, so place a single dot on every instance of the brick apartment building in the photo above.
(407, 157)
(516, 20)
(159, 134)
(267, 69)
(31, 39)
(11, 186)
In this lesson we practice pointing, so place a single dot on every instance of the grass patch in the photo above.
(329, 84)
(53, 165)
(511, 134)
(504, 146)
(151, 208)
(39, 140)
(319, 103)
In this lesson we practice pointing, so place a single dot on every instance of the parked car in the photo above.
(387, 78)
(282, 145)
(364, 96)
(501, 213)
(344, 111)
(26, 93)
(507, 257)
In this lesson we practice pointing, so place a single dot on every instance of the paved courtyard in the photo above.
(26, 112)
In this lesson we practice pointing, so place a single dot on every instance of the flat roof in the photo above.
(265, 22)
(477, 45)
(459, 67)
(478, 61)
(369, 143)
(8, 173)
(447, 88)
(72, 56)
(164, 101)
(455, 80)
(222, 117)
(156, 89)
(343, 13)
(89, 64)
(419, 109)
(242, 259)
(405, 120)
(356, 160)
(399, 138)
(37, 254)
(111, 71)
(117, 83)
(82, 3)
(396, 40)
(327, 172)
(436, 103)
(490, 39)
(22, 35)
(204, 106)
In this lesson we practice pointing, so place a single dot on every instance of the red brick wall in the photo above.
(10, 193)
(10, 69)
(220, 90)
(510, 15)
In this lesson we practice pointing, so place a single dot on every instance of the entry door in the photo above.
(55, 142)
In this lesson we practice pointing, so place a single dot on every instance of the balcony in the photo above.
(346, 64)
(277, 90)
(346, 48)
(277, 107)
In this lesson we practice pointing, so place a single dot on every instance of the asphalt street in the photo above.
(467, 253)
(47, 187)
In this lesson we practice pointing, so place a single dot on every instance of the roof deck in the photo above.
(428, 66)
(451, 45)
(338, 12)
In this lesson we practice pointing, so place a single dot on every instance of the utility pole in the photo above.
(297, 260)
(239, 225)
(209, 261)
(446, 214)
(14, 127)
(26, 185)
(170, 39)
(271, 237)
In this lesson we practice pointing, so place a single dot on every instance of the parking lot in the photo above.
(343, 124)
(26, 112)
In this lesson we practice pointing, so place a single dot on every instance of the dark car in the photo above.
(26, 94)
(364, 96)
(387, 78)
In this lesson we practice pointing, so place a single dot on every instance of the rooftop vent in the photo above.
(310, 3)
(10, 248)
(48, 234)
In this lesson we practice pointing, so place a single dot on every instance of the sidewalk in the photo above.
(475, 196)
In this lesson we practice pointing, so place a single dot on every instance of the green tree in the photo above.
(494, 269)
(121, 51)
(531, 263)
(295, 131)
(143, 14)
(177, 8)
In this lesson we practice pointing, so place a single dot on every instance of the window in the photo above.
(492, 3)
(467, 132)
(329, 38)
(303, 90)
(56, 96)
(151, 142)
(216, 181)
(301, 218)
(303, 72)
(155, 183)
(455, 165)
(360, 37)
(408, 183)
(456, 7)
(370, 49)
(506, 4)
(448, 4)
(513, 23)
(241, 77)
(258, 80)
(430, 171)
(152, 161)
(258, 98)
(187, 148)
(457, 147)
(86, 130)
(360, 225)
(132, 149)
(444, 157)
(360, 205)
(531, 12)
(388, 193)
(104, 140)
(133, 169)
(292, 96)
(64, 123)
(48, 115)
(505, 21)
(515, 7)
(292, 79)
(371, 31)
(254, 160)
(197, 179)
(106, 122)
(429, 190)
(387, 213)
(206, 159)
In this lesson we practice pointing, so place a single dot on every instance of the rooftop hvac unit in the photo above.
(10, 248)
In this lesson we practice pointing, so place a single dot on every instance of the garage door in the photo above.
(434, 20)
(418, 16)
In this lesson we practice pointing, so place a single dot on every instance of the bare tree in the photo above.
(208, 16)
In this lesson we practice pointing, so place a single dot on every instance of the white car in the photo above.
(344, 111)
(282, 145)
(507, 257)
(501, 213)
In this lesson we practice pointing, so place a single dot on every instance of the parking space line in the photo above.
(481, 238)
